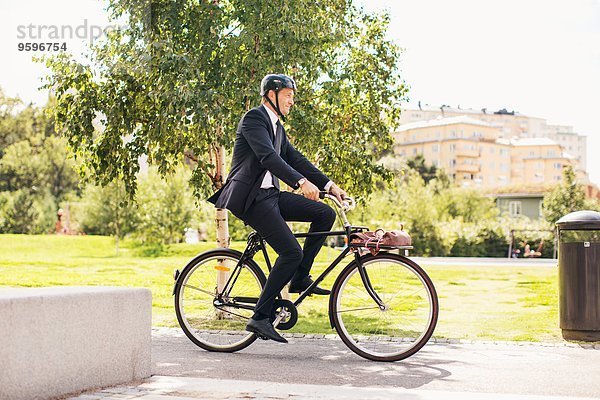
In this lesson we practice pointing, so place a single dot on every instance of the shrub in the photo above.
(165, 208)
(26, 212)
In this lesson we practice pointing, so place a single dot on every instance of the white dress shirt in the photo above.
(268, 179)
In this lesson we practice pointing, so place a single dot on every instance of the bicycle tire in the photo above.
(406, 324)
(206, 325)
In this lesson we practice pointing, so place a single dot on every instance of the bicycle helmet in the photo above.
(276, 82)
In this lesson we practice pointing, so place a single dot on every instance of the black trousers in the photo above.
(268, 215)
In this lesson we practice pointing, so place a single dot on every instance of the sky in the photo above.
(540, 58)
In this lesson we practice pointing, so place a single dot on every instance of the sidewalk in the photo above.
(323, 368)
(486, 261)
(183, 388)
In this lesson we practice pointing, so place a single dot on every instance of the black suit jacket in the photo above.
(254, 155)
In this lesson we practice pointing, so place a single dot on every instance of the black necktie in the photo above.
(277, 145)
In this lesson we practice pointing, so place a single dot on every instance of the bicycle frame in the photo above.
(256, 243)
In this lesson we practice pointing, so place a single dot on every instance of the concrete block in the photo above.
(60, 340)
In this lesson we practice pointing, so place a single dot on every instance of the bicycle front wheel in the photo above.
(405, 322)
(214, 320)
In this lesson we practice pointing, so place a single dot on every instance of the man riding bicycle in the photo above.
(262, 155)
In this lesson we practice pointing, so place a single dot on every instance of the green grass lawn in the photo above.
(479, 303)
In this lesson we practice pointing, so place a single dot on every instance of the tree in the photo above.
(36, 172)
(104, 211)
(19, 214)
(179, 76)
(164, 209)
(566, 197)
(13, 127)
(417, 163)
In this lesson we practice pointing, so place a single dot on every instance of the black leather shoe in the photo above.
(301, 286)
(264, 330)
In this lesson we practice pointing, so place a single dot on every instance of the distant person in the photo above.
(532, 253)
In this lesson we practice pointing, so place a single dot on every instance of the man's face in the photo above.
(286, 100)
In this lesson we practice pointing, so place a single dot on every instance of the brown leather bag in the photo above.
(378, 239)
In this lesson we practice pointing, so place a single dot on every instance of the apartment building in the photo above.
(477, 153)
(458, 145)
(537, 160)
(511, 124)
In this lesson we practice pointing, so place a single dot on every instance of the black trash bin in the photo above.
(579, 275)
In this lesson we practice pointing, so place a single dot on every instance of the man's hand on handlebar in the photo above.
(310, 191)
(339, 193)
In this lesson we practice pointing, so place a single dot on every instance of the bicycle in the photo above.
(383, 306)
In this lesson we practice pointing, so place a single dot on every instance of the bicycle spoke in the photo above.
(198, 289)
(359, 309)
(402, 327)
(210, 325)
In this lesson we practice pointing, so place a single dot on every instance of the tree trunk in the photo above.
(222, 227)
(117, 219)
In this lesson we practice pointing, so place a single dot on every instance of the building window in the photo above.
(557, 165)
(435, 148)
(452, 147)
(453, 163)
(514, 208)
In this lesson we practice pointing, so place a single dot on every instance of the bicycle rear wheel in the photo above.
(212, 321)
(407, 320)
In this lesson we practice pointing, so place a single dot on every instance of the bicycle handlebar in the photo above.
(346, 205)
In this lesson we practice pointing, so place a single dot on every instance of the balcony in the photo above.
(467, 168)
(467, 153)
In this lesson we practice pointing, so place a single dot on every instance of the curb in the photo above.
(176, 332)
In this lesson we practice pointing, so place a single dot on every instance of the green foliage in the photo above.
(465, 204)
(15, 125)
(442, 219)
(417, 163)
(36, 173)
(19, 214)
(237, 229)
(565, 198)
(104, 212)
(479, 240)
(178, 78)
(165, 209)
(23, 211)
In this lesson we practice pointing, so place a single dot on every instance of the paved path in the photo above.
(487, 261)
(310, 368)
